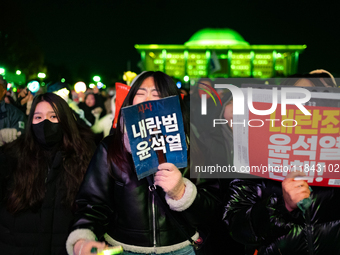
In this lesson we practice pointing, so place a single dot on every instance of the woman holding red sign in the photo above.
(113, 205)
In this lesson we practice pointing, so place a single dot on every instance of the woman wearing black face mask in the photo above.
(40, 174)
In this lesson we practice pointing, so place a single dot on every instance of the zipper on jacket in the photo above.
(153, 219)
(152, 190)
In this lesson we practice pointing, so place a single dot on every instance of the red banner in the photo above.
(310, 143)
(121, 92)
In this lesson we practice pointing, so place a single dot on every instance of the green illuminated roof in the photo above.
(299, 48)
(218, 39)
(216, 36)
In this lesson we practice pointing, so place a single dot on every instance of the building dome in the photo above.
(216, 36)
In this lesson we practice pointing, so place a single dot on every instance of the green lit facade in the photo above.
(236, 57)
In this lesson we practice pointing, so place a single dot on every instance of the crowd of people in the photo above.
(68, 183)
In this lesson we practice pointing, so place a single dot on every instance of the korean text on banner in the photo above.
(272, 145)
(155, 128)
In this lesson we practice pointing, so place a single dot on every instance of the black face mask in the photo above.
(47, 133)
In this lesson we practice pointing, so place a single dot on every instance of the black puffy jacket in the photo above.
(257, 217)
(119, 205)
(38, 231)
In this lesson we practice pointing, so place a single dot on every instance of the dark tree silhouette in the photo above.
(18, 46)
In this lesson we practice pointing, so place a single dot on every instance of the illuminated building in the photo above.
(222, 49)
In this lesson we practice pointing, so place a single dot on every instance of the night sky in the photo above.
(99, 36)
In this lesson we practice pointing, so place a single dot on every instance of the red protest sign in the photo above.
(121, 92)
(279, 144)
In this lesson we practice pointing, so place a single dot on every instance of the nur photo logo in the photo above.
(238, 100)
(204, 97)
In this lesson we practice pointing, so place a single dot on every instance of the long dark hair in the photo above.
(166, 87)
(28, 187)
